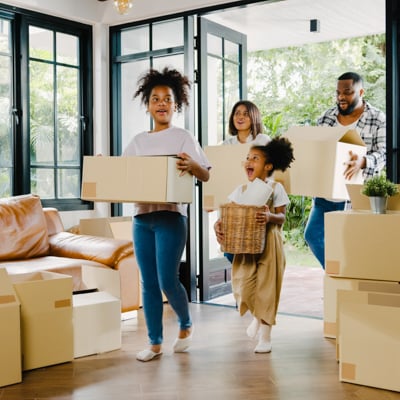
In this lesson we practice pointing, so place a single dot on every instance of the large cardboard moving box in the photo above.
(320, 155)
(46, 318)
(97, 323)
(135, 179)
(10, 334)
(226, 175)
(335, 285)
(369, 340)
(363, 245)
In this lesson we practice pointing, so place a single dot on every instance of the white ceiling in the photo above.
(287, 22)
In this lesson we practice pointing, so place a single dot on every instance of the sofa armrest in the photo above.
(106, 251)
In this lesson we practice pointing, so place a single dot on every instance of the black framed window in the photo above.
(47, 122)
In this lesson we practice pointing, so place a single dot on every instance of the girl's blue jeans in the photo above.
(314, 233)
(159, 240)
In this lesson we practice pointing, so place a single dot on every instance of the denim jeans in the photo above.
(159, 240)
(314, 234)
(229, 257)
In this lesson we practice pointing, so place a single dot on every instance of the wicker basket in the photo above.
(242, 233)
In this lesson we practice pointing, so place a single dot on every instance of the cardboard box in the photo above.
(320, 154)
(360, 201)
(335, 285)
(10, 334)
(46, 318)
(369, 350)
(97, 323)
(112, 227)
(226, 175)
(362, 245)
(135, 179)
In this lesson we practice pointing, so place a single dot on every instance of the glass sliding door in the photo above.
(222, 64)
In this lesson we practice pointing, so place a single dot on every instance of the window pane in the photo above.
(5, 112)
(6, 139)
(41, 43)
(133, 113)
(68, 151)
(67, 49)
(5, 44)
(41, 112)
(231, 51)
(135, 40)
(68, 183)
(5, 182)
(215, 117)
(42, 182)
(214, 45)
(232, 89)
(168, 34)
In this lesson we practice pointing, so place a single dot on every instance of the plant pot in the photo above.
(378, 204)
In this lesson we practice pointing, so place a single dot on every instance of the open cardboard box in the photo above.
(112, 227)
(153, 179)
(320, 155)
(360, 201)
(46, 318)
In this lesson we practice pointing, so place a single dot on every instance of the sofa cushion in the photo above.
(23, 230)
(106, 251)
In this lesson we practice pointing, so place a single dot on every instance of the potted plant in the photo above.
(378, 189)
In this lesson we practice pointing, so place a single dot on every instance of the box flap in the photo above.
(352, 137)
(7, 292)
(324, 133)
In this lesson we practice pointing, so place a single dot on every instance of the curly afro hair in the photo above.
(278, 152)
(172, 78)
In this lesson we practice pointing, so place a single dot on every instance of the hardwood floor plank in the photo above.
(221, 365)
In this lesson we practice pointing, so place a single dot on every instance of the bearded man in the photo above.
(353, 112)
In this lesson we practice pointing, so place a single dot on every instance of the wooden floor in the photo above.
(221, 365)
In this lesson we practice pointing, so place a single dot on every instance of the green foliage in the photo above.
(379, 186)
(296, 218)
(297, 84)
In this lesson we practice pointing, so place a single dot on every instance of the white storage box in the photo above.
(97, 323)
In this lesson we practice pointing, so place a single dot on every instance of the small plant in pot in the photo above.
(378, 189)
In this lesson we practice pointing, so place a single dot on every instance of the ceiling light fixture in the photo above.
(123, 6)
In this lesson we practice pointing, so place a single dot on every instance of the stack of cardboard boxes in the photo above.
(362, 294)
(44, 324)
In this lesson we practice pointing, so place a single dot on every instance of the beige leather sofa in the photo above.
(33, 238)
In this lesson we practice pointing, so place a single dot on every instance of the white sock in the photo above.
(264, 342)
(253, 328)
